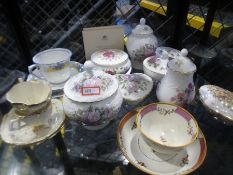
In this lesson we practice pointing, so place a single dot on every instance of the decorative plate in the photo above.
(90, 86)
(218, 100)
(75, 69)
(139, 154)
(109, 57)
(33, 129)
(134, 87)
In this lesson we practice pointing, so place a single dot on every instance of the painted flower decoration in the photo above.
(155, 62)
(108, 54)
(183, 96)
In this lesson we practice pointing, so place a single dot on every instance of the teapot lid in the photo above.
(182, 63)
(157, 64)
(91, 85)
(142, 28)
(109, 57)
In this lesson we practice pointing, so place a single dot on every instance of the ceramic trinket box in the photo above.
(92, 97)
(112, 61)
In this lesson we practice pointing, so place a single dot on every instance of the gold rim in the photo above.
(39, 140)
(119, 129)
(152, 140)
(228, 118)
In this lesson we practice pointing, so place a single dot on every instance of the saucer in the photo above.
(75, 69)
(139, 154)
(219, 101)
(32, 129)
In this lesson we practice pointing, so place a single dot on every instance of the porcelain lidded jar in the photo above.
(92, 97)
(112, 61)
(141, 44)
(177, 85)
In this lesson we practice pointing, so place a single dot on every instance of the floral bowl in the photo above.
(134, 87)
(166, 128)
(111, 61)
(30, 97)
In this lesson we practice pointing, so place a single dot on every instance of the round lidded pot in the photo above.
(156, 66)
(112, 61)
(177, 85)
(92, 97)
(141, 44)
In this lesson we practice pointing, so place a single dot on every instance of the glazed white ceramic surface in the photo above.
(94, 114)
(141, 44)
(219, 101)
(94, 111)
(172, 53)
(107, 83)
(75, 68)
(177, 85)
(134, 87)
(120, 69)
(109, 57)
(53, 64)
(139, 154)
(166, 128)
(29, 97)
(32, 129)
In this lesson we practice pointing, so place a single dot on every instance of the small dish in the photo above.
(140, 155)
(75, 68)
(166, 128)
(218, 101)
(29, 97)
(33, 129)
(134, 87)
(112, 61)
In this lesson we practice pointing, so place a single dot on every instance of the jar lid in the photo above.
(157, 64)
(182, 63)
(109, 57)
(142, 28)
(90, 85)
(172, 53)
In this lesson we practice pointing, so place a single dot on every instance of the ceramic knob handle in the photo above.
(184, 52)
(142, 21)
(88, 65)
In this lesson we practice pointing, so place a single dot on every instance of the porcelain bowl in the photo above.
(29, 97)
(166, 128)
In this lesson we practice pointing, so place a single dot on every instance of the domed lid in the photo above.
(142, 28)
(182, 64)
(157, 64)
(172, 53)
(109, 57)
(90, 85)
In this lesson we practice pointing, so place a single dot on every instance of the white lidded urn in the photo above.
(177, 85)
(141, 44)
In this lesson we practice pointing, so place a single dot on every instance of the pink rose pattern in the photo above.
(154, 62)
(183, 97)
(108, 54)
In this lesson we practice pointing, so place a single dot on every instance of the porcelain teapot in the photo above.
(177, 85)
(141, 44)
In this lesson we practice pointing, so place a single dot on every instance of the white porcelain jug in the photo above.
(141, 44)
(177, 85)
